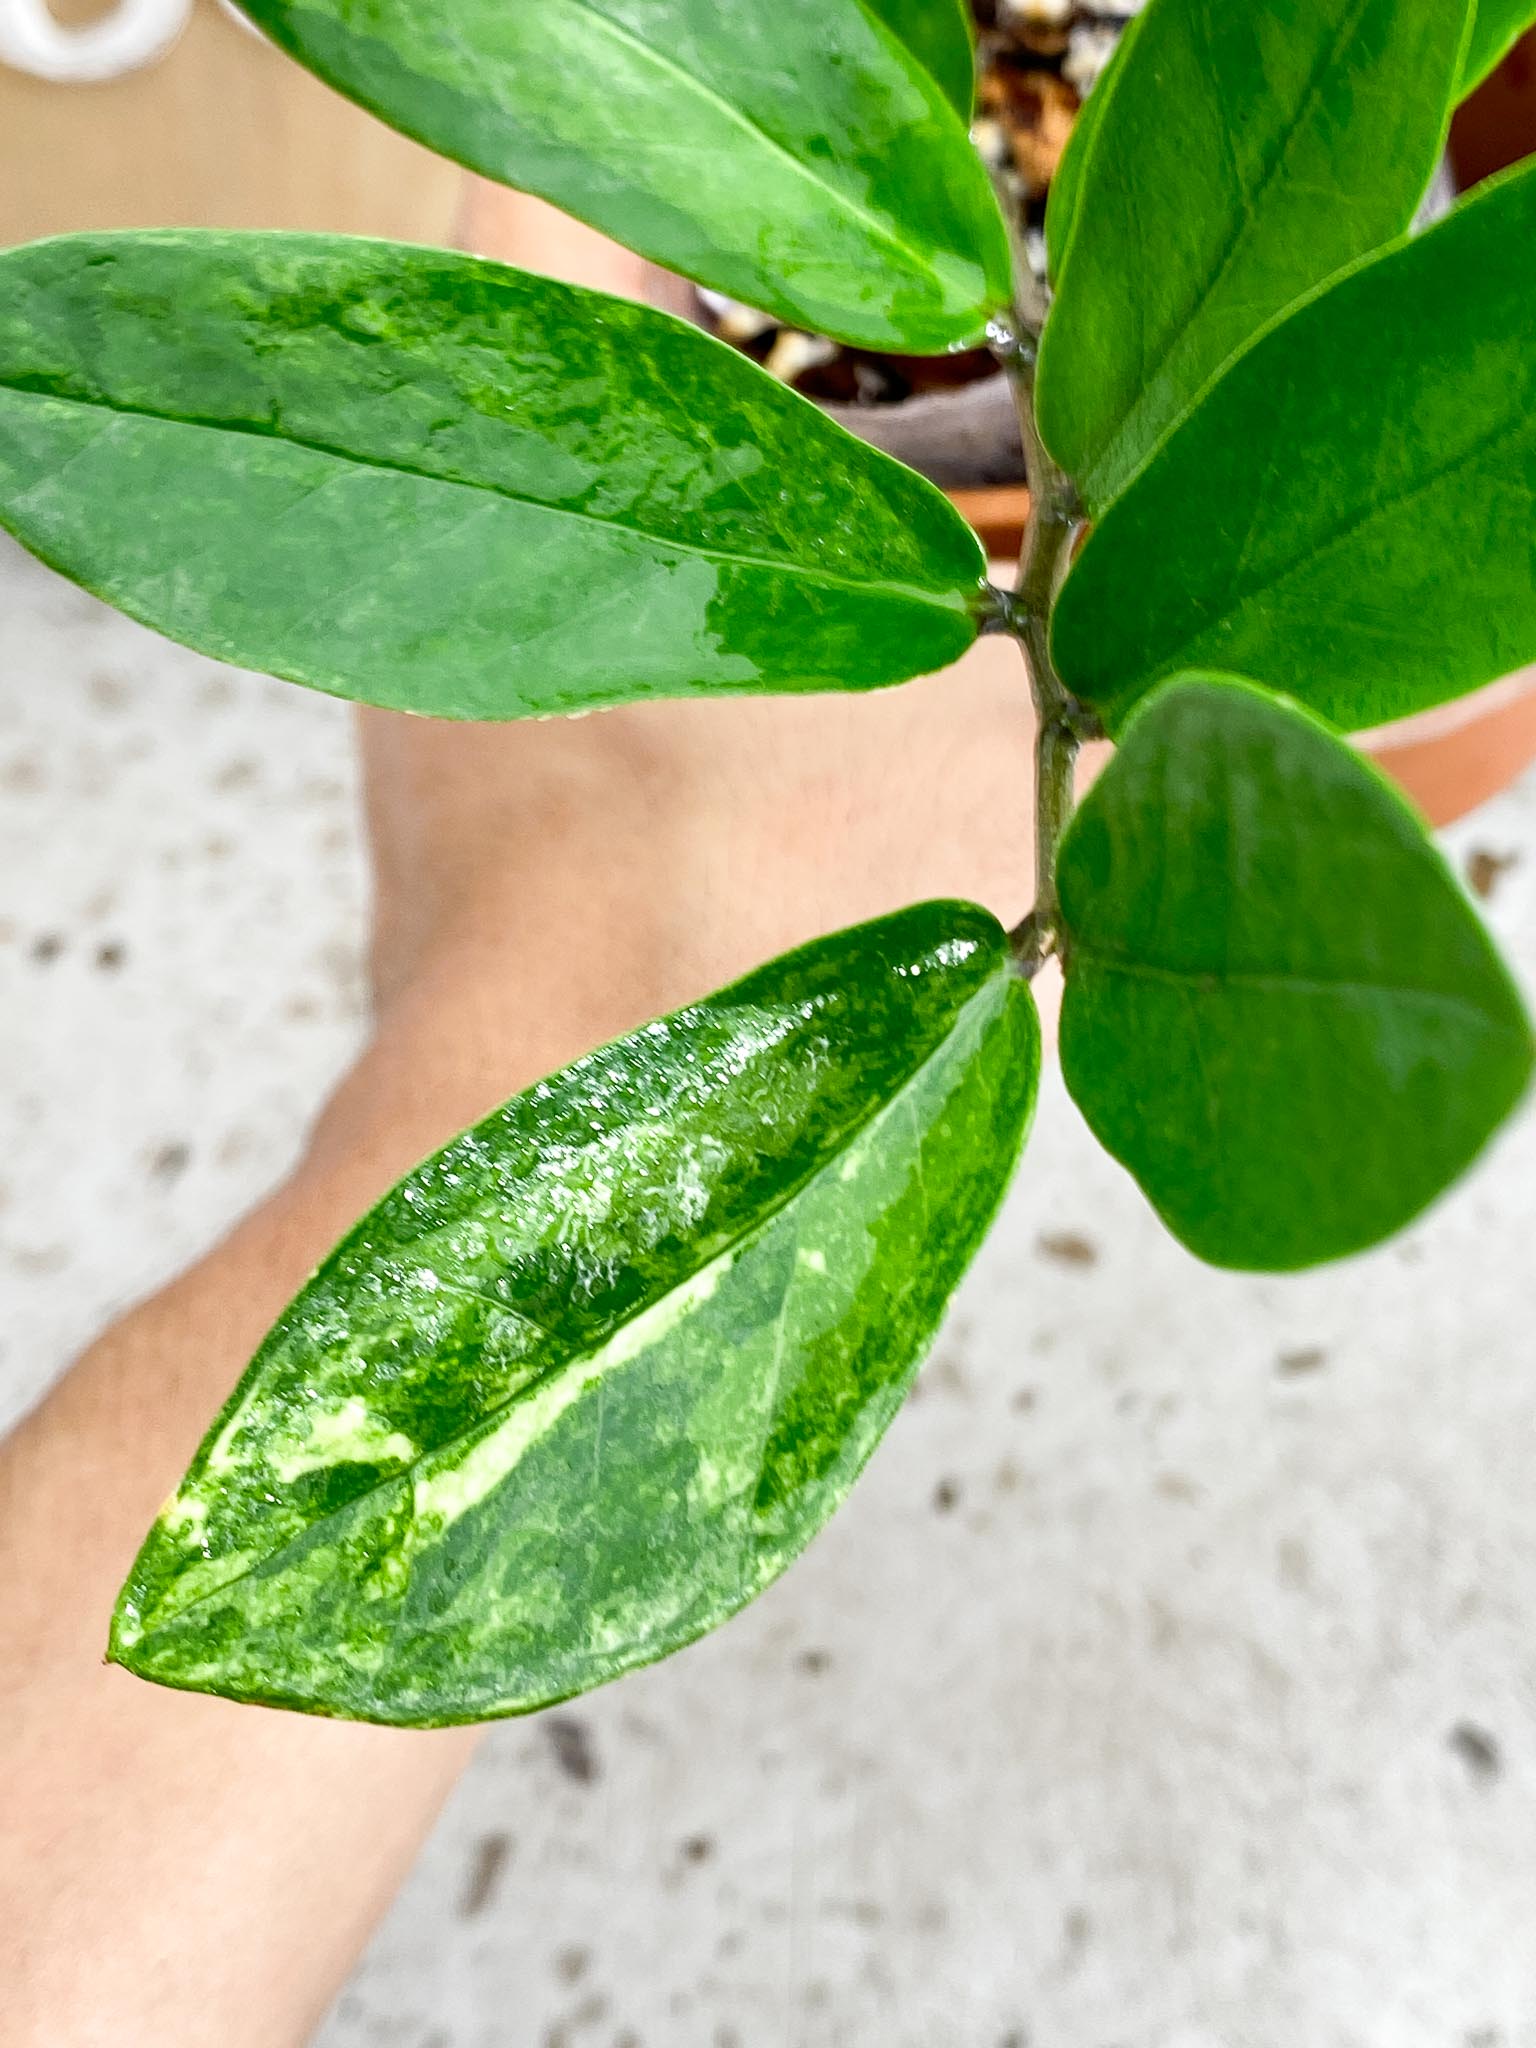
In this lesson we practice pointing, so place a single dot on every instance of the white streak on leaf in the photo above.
(348, 1433)
(449, 1492)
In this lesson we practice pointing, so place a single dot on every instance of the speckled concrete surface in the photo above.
(1168, 1683)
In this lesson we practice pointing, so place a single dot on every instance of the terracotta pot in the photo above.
(998, 515)
(1497, 126)
(1457, 756)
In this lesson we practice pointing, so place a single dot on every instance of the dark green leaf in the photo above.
(1350, 513)
(1281, 1013)
(1241, 155)
(795, 154)
(587, 1381)
(1497, 26)
(941, 34)
(1062, 209)
(429, 482)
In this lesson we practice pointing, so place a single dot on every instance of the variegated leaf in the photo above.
(589, 1379)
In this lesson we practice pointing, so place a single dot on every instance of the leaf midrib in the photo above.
(996, 985)
(1177, 334)
(1178, 328)
(882, 230)
(828, 579)
(1197, 980)
(1505, 430)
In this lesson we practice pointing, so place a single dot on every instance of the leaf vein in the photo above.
(784, 566)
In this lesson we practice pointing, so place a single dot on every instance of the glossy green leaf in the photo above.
(941, 34)
(429, 482)
(1281, 1012)
(1497, 26)
(1239, 156)
(1063, 208)
(588, 1380)
(1350, 513)
(795, 154)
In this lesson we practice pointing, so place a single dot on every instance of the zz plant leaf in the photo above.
(1497, 26)
(1204, 225)
(442, 486)
(589, 1379)
(941, 34)
(1348, 514)
(1281, 1011)
(1062, 208)
(799, 155)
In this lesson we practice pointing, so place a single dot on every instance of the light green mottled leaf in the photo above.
(1281, 1012)
(1497, 27)
(795, 154)
(588, 1380)
(1239, 156)
(941, 34)
(1350, 514)
(430, 482)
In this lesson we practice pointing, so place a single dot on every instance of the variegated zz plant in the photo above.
(587, 1380)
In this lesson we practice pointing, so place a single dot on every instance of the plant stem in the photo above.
(1055, 517)
(1031, 297)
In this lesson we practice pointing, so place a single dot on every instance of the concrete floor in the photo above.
(1168, 1682)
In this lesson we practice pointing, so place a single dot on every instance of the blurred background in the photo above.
(1168, 1682)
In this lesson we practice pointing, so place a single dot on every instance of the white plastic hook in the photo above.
(135, 33)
